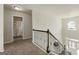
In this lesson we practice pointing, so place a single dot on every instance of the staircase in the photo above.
(47, 41)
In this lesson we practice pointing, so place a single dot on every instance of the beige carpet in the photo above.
(22, 47)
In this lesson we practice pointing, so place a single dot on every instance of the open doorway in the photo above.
(17, 28)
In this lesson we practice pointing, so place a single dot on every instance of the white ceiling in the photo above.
(51, 6)
(11, 7)
(27, 7)
(58, 8)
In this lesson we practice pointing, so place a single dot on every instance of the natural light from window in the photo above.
(71, 25)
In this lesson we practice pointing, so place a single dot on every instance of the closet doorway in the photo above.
(17, 28)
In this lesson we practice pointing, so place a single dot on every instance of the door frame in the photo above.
(13, 25)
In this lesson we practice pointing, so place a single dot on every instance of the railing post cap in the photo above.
(47, 30)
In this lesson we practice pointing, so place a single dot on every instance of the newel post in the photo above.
(47, 40)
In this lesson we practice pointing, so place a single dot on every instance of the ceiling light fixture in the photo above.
(17, 8)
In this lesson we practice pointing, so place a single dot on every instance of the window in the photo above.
(71, 25)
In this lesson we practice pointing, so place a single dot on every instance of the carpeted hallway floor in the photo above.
(22, 47)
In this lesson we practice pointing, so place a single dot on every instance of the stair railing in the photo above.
(49, 33)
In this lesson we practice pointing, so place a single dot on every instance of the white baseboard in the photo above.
(39, 47)
(8, 42)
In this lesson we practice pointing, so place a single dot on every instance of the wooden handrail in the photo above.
(39, 30)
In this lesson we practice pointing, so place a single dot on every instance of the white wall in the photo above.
(45, 19)
(8, 24)
(71, 15)
(1, 28)
(71, 34)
